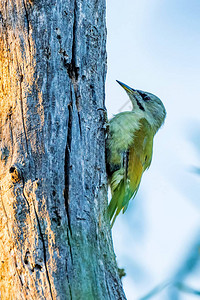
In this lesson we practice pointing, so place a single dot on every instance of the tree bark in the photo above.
(55, 240)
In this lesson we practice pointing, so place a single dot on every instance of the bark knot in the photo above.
(15, 174)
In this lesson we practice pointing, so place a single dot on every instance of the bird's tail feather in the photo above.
(116, 203)
(120, 199)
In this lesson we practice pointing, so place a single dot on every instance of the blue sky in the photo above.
(155, 46)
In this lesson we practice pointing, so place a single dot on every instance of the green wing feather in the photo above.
(124, 186)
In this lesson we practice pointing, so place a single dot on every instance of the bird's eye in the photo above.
(144, 96)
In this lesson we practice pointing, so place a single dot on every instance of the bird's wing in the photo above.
(124, 184)
(125, 181)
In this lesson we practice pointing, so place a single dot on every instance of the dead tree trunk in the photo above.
(55, 240)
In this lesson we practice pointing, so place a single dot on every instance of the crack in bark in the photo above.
(28, 24)
(79, 121)
(11, 133)
(67, 164)
(44, 251)
(66, 190)
(72, 68)
(70, 290)
(70, 247)
(67, 168)
(22, 113)
(75, 73)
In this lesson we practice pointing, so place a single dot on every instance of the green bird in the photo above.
(129, 147)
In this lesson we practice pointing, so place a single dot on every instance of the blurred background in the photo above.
(154, 46)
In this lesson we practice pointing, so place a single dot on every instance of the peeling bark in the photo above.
(55, 240)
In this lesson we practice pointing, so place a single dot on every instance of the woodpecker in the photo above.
(129, 147)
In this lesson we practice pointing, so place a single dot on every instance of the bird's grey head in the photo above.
(148, 105)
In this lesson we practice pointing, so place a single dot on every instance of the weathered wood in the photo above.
(55, 240)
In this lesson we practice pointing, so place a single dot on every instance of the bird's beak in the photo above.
(126, 87)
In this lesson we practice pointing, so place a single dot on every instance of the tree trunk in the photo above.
(55, 240)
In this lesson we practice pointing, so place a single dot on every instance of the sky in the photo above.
(154, 46)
